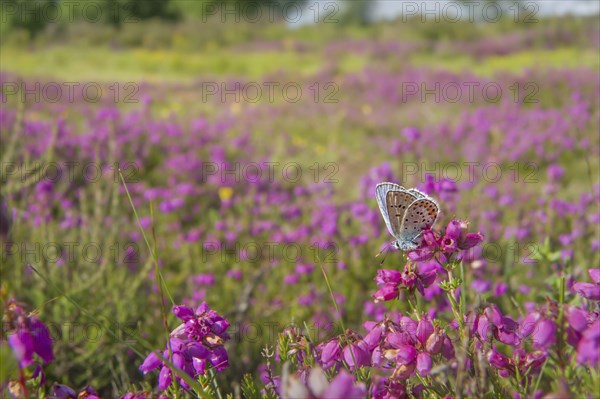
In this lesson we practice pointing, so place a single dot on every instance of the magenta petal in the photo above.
(494, 316)
(178, 361)
(202, 308)
(428, 278)
(397, 340)
(406, 355)
(595, 275)
(342, 387)
(424, 363)
(544, 334)
(408, 326)
(355, 355)
(197, 350)
(331, 351)
(434, 343)
(151, 362)
(588, 290)
(385, 276)
(373, 337)
(498, 360)
(183, 312)
(484, 328)
(164, 378)
(471, 240)
(420, 255)
(219, 359)
(529, 324)
(454, 230)
(63, 392)
(448, 348)
(199, 365)
(21, 343)
(386, 293)
(42, 342)
(424, 330)
(578, 319)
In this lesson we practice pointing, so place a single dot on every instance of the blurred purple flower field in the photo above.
(218, 235)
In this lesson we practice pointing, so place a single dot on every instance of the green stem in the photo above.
(137, 218)
(214, 383)
(337, 309)
(457, 310)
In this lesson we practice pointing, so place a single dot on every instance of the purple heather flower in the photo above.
(500, 289)
(291, 279)
(402, 354)
(151, 362)
(28, 336)
(424, 330)
(498, 360)
(195, 344)
(421, 254)
(588, 349)
(143, 395)
(342, 386)
(183, 312)
(588, 290)
(386, 276)
(555, 172)
(63, 392)
(544, 334)
(357, 354)
(471, 240)
(595, 275)
(434, 343)
(204, 279)
(389, 389)
(330, 353)
(304, 268)
(235, 274)
(424, 363)
(386, 293)
(164, 378)
(411, 133)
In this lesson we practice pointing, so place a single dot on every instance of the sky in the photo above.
(390, 9)
(387, 9)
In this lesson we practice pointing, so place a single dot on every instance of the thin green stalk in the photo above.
(145, 238)
(214, 383)
(160, 288)
(337, 309)
(457, 310)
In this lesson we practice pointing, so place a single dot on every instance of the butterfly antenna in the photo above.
(385, 253)
(383, 250)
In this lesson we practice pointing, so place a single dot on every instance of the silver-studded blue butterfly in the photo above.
(406, 213)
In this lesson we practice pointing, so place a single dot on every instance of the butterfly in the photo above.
(406, 213)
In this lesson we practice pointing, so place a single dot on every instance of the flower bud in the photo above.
(386, 276)
(471, 240)
(386, 293)
(424, 363)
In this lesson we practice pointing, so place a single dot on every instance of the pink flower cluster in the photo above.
(455, 239)
(196, 345)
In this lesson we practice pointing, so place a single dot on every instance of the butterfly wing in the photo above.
(393, 200)
(418, 194)
(421, 214)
